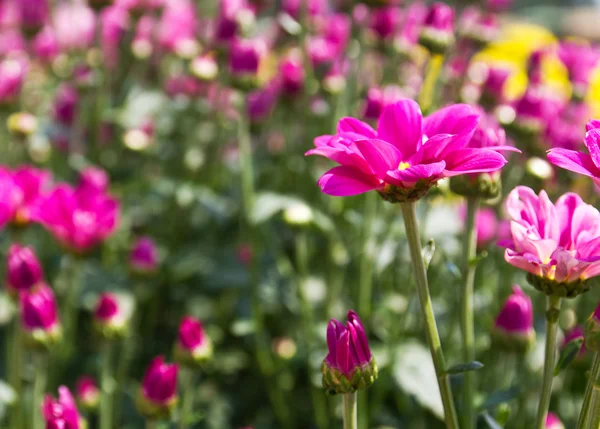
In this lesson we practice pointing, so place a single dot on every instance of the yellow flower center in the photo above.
(403, 166)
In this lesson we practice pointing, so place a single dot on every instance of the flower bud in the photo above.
(574, 334)
(292, 75)
(384, 22)
(193, 346)
(22, 124)
(244, 62)
(88, 394)
(61, 413)
(158, 394)
(437, 34)
(492, 92)
(592, 331)
(349, 365)
(23, 269)
(513, 330)
(143, 258)
(39, 317)
(553, 422)
(109, 319)
(33, 15)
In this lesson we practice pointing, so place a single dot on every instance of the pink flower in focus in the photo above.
(79, 219)
(579, 162)
(404, 152)
(74, 26)
(61, 413)
(558, 242)
(553, 422)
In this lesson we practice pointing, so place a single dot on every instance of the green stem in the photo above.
(552, 313)
(15, 362)
(151, 424)
(187, 397)
(107, 386)
(350, 410)
(365, 284)
(468, 330)
(431, 331)
(590, 392)
(71, 300)
(39, 386)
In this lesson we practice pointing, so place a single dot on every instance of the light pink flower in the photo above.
(405, 150)
(178, 26)
(579, 162)
(558, 242)
(74, 26)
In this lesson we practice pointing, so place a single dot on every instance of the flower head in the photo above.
(580, 59)
(244, 60)
(23, 269)
(33, 14)
(291, 72)
(158, 394)
(87, 392)
(406, 155)
(39, 316)
(61, 413)
(437, 33)
(31, 185)
(77, 217)
(493, 86)
(109, 318)
(349, 365)
(385, 21)
(143, 258)
(193, 346)
(558, 244)
(513, 329)
(578, 162)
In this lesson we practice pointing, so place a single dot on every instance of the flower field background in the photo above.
(173, 258)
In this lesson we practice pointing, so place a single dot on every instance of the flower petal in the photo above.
(415, 173)
(592, 142)
(459, 119)
(380, 155)
(574, 161)
(400, 125)
(473, 161)
(345, 181)
(352, 125)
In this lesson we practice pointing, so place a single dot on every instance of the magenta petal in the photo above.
(345, 181)
(473, 161)
(459, 119)
(592, 124)
(415, 173)
(343, 353)
(400, 125)
(323, 140)
(592, 141)
(352, 125)
(574, 161)
(435, 147)
(380, 155)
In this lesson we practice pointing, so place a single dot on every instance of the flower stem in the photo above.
(187, 396)
(107, 386)
(15, 362)
(434, 66)
(350, 410)
(468, 330)
(365, 284)
(39, 386)
(431, 331)
(71, 300)
(552, 313)
(590, 391)
(151, 424)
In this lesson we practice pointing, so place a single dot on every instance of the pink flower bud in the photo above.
(33, 14)
(61, 413)
(13, 70)
(553, 422)
(437, 33)
(144, 256)
(385, 21)
(45, 45)
(493, 86)
(244, 60)
(158, 393)
(109, 319)
(65, 104)
(513, 329)
(88, 394)
(39, 316)
(193, 346)
(574, 334)
(291, 71)
(23, 268)
(349, 352)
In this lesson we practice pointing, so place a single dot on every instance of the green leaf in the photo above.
(464, 367)
(500, 397)
(428, 252)
(567, 354)
(490, 421)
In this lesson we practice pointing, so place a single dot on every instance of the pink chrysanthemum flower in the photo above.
(406, 155)
(558, 244)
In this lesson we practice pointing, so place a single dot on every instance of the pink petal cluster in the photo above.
(159, 385)
(21, 191)
(404, 150)
(80, 218)
(579, 162)
(39, 311)
(23, 269)
(348, 345)
(580, 59)
(107, 309)
(61, 413)
(192, 337)
(558, 242)
(516, 316)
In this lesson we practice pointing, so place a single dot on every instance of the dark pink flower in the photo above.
(385, 21)
(33, 14)
(572, 334)
(230, 18)
(493, 86)
(553, 422)
(579, 162)
(144, 256)
(31, 184)
(159, 385)
(61, 413)
(260, 103)
(107, 308)
(245, 57)
(291, 73)
(23, 269)
(65, 104)
(80, 219)
(404, 151)
(39, 311)
(45, 45)
(516, 316)
(556, 242)
(193, 344)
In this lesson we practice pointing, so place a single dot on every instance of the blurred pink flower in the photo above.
(13, 70)
(313, 7)
(78, 218)
(143, 257)
(65, 104)
(61, 413)
(23, 269)
(516, 316)
(159, 386)
(229, 18)
(45, 45)
(93, 179)
(291, 73)
(406, 150)
(379, 98)
(384, 21)
(178, 26)
(88, 393)
(33, 14)
(39, 311)
(30, 186)
(260, 103)
(553, 422)
(557, 242)
(11, 41)
(115, 22)
(580, 59)
(74, 26)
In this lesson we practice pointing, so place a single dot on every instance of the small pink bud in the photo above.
(385, 21)
(574, 334)
(61, 413)
(553, 422)
(143, 258)
(437, 33)
(292, 75)
(39, 316)
(109, 318)
(193, 345)
(88, 394)
(158, 394)
(23, 268)
(244, 60)
(514, 325)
